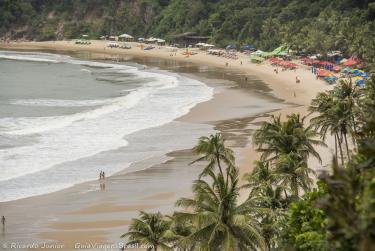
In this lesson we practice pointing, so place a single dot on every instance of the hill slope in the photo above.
(316, 25)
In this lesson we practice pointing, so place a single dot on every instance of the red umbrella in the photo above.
(325, 63)
(337, 68)
(350, 62)
(324, 73)
(275, 60)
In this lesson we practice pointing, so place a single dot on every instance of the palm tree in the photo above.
(261, 176)
(214, 151)
(326, 121)
(220, 222)
(270, 197)
(291, 136)
(338, 114)
(151, 230)
(293, 174)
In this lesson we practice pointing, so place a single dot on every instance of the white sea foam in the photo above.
(64, 139)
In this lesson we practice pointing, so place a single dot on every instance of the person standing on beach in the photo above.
(3, 221)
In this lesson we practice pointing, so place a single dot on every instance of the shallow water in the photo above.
(58, 114)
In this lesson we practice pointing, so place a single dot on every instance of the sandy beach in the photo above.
(82, 214)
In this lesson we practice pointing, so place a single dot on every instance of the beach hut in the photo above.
(160, 41)
(126, 37)
(113, 38)
(189, 38)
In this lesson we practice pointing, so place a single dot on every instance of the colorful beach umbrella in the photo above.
(324, 73)
(351, 62)
(346, 70)
(337, 68)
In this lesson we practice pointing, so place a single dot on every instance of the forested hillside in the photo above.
(315, 25)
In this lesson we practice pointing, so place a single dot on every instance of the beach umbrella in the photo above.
(257, 53)
(343, 61)
(324, 73)
(337, 68)
(346, 70)
(325, 63)
(350, 62)
(330, 79)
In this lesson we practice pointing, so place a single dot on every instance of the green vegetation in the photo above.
(284, 209)
(316, 26)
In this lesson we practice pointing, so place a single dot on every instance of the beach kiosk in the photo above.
(126, 38)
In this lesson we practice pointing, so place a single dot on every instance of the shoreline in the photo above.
(280, 84)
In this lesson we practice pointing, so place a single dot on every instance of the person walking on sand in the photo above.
(297, 80)
(3, 221)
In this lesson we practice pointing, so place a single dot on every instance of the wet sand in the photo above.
(85, 214)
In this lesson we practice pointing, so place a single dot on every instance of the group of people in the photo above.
(102, 175)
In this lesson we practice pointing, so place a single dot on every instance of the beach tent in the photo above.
(280, 51)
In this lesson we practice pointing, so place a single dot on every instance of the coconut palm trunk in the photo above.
(340, 148)
(347, 147)
(336, 145)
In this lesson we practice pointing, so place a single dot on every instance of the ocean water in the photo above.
(62, 119)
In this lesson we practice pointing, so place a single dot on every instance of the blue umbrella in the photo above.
(360, 82)
(248, 47)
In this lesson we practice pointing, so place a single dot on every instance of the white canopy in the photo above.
(257, 53)
(125, 36)
(343, 61)
(151, 39)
